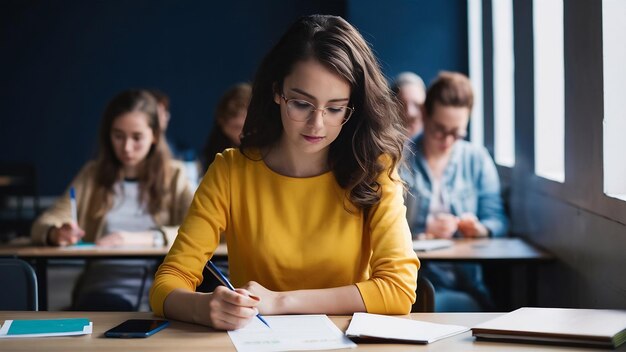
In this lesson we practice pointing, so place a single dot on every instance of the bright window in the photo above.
(475, 38)
(614, 46)
(549, 89)
(503, 82)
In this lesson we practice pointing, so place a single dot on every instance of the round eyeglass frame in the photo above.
(315, 108)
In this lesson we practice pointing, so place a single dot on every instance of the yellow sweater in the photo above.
(293, 233)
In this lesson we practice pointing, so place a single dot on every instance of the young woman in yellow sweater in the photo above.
(310, 204)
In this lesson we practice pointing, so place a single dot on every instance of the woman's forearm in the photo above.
(337, 300)
(183, 305)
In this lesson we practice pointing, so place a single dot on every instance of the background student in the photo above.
(230, 115)
(454, 191)
(132, 194)
(411, 91)
(178, 150)
(311, 205)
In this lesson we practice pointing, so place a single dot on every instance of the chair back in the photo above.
(425, 301)
(18, 285)
(18, 187)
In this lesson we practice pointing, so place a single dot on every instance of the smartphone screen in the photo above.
(137, 328)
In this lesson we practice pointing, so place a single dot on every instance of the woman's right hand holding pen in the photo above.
(227, 310)
(68, 234)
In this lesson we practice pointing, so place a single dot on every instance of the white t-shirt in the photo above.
(127, 213)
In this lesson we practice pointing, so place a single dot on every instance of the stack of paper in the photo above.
(373, 326)
(595, 327)
(45, 327)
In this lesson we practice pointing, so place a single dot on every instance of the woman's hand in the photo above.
(269, 301)
(67, 234)
(124, 238)
(470, 226)
(225, 309)
(441, 225)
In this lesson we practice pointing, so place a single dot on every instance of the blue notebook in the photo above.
(46, 327)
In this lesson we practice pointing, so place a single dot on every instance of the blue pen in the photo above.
(73, 205)
(74, 209)
(218, 274)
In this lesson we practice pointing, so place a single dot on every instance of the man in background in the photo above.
(411, 91)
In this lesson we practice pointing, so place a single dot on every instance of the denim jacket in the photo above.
(470, 183)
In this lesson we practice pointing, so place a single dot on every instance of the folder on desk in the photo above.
(45, 327)
(366, 327)
(590, 327)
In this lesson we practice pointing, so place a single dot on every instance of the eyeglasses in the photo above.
(440, 132)
(301, 111)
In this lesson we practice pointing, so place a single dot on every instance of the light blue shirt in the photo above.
(470, 184)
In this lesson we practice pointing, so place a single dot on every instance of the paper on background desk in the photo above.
(290, 333)
(364, 325)
(429, 245)
(45, 327)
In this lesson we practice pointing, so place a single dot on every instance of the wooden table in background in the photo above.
(507, 251)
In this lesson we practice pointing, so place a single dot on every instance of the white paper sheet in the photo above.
(394, 328)
(290, 333)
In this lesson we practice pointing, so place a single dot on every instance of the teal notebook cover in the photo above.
(47, 326)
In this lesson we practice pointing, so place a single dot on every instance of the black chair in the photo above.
(18, 182)
(93, 294)
(425, 301)
(18, 285)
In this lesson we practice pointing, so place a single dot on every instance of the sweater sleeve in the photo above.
(394, 264)
(60, 212)
(198, 236)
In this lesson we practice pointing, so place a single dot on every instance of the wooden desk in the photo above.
(42, 252)
(472, 250)
(184, 337)
(501, 251)
(482, 250)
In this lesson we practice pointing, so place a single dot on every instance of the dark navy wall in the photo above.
(61, 61)
(422, 36)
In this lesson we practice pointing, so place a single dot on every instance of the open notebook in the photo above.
(591, 327)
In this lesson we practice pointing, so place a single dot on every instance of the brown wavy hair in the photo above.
(153, 176)
(375, 128)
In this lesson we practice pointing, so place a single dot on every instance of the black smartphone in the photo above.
(137, 328)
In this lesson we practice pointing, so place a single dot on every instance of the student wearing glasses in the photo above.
(454, 191)
(311, 204)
